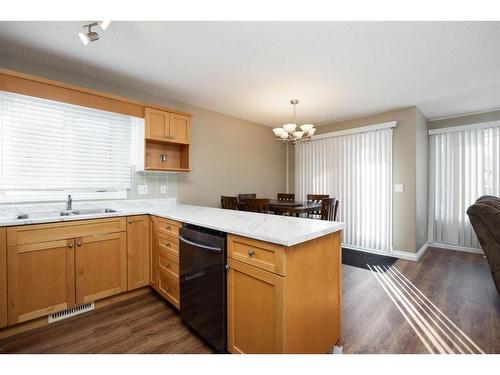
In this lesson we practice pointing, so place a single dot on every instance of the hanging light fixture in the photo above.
(290, 133)
(92, 36)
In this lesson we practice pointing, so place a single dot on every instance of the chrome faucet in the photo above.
(69, 203)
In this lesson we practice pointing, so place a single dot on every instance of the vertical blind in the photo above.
(51, 146)
(357, 170)
(464, 165)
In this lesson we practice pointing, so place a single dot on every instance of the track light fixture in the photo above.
(92, 36)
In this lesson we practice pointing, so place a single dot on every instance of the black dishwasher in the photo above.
(203, 283)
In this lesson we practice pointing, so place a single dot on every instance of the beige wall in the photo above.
(228, 155)
(404, 169)
(464, 120)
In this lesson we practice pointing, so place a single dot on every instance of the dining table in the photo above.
(296, 208)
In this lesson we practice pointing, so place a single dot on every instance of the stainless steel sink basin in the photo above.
(54, 214)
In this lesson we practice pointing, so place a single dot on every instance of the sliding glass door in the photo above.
(357, 170)
(464, 165)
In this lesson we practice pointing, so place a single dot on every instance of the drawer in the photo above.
(264, 255)
(169, 244)
(169, 289)
(170, 227)
(34, 233)
(169, 264)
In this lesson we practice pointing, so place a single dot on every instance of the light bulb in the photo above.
(84, 38)
(104, 24)
(289, 127)
(278, 131)
(298, 134)
(306, 127)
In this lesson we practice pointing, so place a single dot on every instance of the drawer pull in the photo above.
(130, 221)
(168, 244)
(168, 265)
(168, 290)
(70, 245)
(168, 228)
(78, 244)
(251, 253)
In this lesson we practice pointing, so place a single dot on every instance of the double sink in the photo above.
(54, 214)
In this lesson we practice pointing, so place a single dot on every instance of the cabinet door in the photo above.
(180, 128)
(3, 277)
(156, 124)
(154, 252)
(137, 251)
(101, 266)
(255, 309)
(41, 279)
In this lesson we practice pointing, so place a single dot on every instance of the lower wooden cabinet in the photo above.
(101, 266)
(41, 279)
(255, 309)
(138, 262)
(3, 277)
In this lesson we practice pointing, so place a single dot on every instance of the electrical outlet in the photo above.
(163, 189)
(398, 188)
(142, 189)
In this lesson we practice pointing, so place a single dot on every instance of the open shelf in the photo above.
(161, 156)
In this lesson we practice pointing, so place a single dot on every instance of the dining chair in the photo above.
(335, 210)
(316, 198)
(327, 209)
(286, 196)
(257, 205)
(242, 198)
(229, 203)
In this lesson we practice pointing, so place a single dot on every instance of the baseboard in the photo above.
(395, 253)
(456, 248)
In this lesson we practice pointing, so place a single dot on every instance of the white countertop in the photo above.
(282, 230)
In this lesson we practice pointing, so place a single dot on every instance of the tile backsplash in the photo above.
(154, 182)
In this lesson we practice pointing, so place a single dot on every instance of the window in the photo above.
(464, 165)
(357, 170)
(50, 149)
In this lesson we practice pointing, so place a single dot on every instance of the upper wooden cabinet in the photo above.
(167, 127)
(137, 251)
(180, 128)
(3, 277)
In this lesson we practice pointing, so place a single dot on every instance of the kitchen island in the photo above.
(284, 273)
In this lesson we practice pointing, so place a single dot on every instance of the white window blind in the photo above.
(464, 165)
(49, 147)
(357, 170)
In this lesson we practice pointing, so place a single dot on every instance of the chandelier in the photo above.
(290, 133)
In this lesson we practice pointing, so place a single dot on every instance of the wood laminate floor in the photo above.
(459, 284)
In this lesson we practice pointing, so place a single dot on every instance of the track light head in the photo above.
(92, 36)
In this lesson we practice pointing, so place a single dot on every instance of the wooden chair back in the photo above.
(243, 197)
(316, 197)
(327, 209)
(228, 203)
(286, 196)
(335, 210)
(257, 205)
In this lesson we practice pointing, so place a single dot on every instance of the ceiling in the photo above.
(251, 70)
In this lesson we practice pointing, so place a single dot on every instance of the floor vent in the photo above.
(71, 312)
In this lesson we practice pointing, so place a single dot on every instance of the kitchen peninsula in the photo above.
(283, 282)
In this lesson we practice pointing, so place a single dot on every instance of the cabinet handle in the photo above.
(70, 245)
(251, 253)
(168, 245)
(130, 221)
(168, 228)
(168, 290)
(168, 265)
(78, 244)
(228, 267)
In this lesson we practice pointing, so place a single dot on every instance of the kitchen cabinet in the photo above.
(255, 309)
(165, 249)
(167, 141)
(41, 279)
(167, 127)
(101, 266)
(3, 277)
(42, 260)
(284, 299)
(138, 262)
